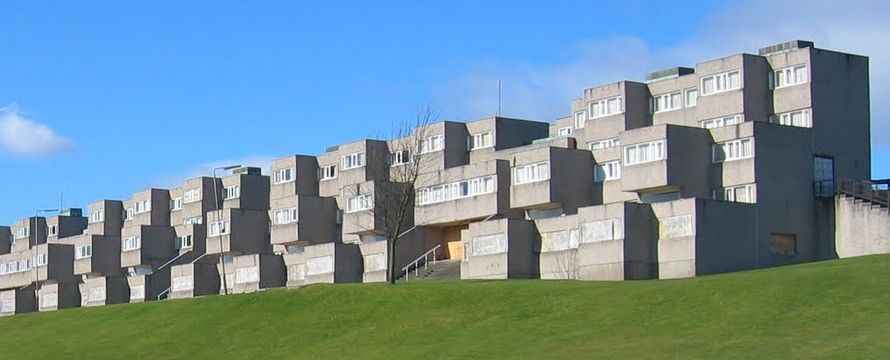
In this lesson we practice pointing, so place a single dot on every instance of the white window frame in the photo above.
(41, 259)
(580, 119)
(400, 157)
(645, 152)
(193, 220)
(23, 232)
(231, 192)
(360, 202)
(176, 203)
(327, 172)
(457, 190)
(666, 102)
(722, 82)
(603, 107)
(52, 230)
(83, 252)
(607, 171)
(218, 228)
(97, 216)
(281, 176)
(431, 144)
(352, 161)
(789, 76)
(721, 122)
(729, 193)
(184, 242)
(604, 144)
(286, 216)
(694, 97)
(141, 206)
(564, 131)
(131, 243)
(733, 150)
(191, 195)
(787, 118)
(531, 173)
(478, 140)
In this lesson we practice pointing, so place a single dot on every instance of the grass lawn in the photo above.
(832, 309)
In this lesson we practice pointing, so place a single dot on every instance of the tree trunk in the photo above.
(391, 259)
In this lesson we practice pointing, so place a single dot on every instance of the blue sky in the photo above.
(105, 99)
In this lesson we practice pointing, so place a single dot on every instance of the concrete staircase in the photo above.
(441, 270)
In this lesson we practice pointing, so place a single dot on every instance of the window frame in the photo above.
(353, 161)
(613, 173)
(652, 155)
(739, 143)
(724, 79)
(535, 172)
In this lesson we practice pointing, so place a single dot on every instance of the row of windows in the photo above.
(184, 242)
(456, 190)
(359, 202)
(131, 243)
(83, 252)
(531, 173)
(218, 228)
(286, 216)
(15, 267)
(231, 192)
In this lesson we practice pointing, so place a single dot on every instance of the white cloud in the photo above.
(544, 91)
(22, 136)
(205, 169)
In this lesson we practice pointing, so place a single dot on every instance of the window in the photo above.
(604, 107)
(400, 157)
(23, 232)
(607, 171)
(41, 260)
(193, 220)
(191, 195)
(12, 267)
(142, 206)
(218, 228)
(564, 131)
(721, 122)
(823, 174)
(799, 118)
(83, 252)
(784, 245)
(431, 144)
(733, 150)
(24, 265)
(352, 161)
(667, 102)
(283, 175)
(789, 76)
(531, 173)
(603, 144)
(175, 203)
(183, 242)
(128, 214)
(286, 216)
(52, 230)
(456, 190)
(359, 203)
(231, 192)
(643, 153)
(721, 82)
(131, 243)
(691, 97)
(481, 140)
(580, 118)
(97, 216)
(741, 193)
(327, 172)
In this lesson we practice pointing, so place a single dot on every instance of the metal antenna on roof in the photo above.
(499, 97)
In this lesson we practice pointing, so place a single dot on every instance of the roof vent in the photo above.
(332, 148)
(669, 73)
(71, 212)
(247, 170)
(785, 46)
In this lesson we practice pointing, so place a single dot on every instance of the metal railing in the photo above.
(875, 191)
(424, 259)
(165, 292)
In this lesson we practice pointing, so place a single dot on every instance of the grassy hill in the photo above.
(821, 310)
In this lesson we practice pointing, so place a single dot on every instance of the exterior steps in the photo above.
(442, 270)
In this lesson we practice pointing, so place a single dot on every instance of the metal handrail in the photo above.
(877, 191)
(166, 291)
(416, 263)
(173, 259)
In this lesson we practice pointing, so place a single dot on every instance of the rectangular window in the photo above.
(24, 265)
(231, 192)
(456, 190)
(191, 195)
(352, 161)
(184, 242)
(359, 203)
(667, 102)
(564, 131)
(793, 75)
(218, 228)
(97, 216)
(193, 220)
(604, 107)
(784, 245)
(286, 216)
(175, 203)
(131, 243)
(718, 83)
(400, 157)
(41, 259)
(531, 173)
(799, 118)
(733, 150)
(741, 193)
(643, 153)
(481, 140)
(327, 172)
(142, 206)
(432, 144)
(603, 144)
(691, 97)
(580, 119)
(607, 171)
(23, 232)
(52, 230)
(283, 175)
(83, 252)
(721, 122)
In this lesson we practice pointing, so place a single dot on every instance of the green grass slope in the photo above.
(822, 310)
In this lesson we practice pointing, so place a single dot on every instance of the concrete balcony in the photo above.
(146, 246)
(294, 175)
(237, 231)
(56, 296)
(552, 178)
(500, 249)
(105, 217)
(367, 205)
(303, 220)
(666, 158)
(104, 290)
(461, 194)
(247, 188)
(148, 207)
(18, 301)
(105, 255)
(194, 279)
(256, 272)
(324, 263)
(59, 265)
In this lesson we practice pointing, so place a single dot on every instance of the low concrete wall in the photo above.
(861, 228)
